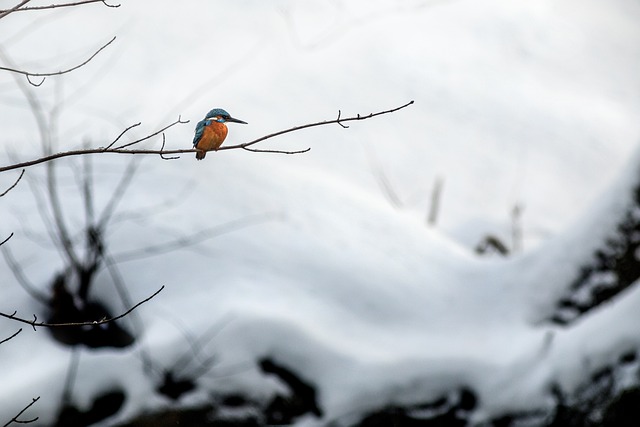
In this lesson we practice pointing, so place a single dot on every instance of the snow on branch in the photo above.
(613, 267)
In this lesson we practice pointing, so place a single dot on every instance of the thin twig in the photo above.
(17, 421)
(15, 8)
(123, 292)
(72, 374)
(344, 126)
(194, 238)
(257, 150)
(56, 73)
(162, 149)
(387, 188)
(46, 131)
(158, 132)
(35, 322)
(118, 194)
(143, 213)
(121, 134)
(62, 232)
(18, 8)
(14, 184)
(12, 336)
(6, 240)
(87, 194)
(19, 275)
(43, 210)
(197, 346)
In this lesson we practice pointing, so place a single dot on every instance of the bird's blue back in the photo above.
(200, 130)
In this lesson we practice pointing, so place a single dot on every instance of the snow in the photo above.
(532, 104)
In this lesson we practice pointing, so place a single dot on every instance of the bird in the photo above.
(212, 131)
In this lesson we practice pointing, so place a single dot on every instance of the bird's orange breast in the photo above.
(212, 137)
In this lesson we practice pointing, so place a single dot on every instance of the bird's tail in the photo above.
(200, 154)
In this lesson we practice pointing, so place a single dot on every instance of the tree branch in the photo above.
(29, 74)
(118, 194)
(122, 148)
(256, 150)
(13, 185)
(15, 8)
(35, 322)
(19, 275)
(17, 421)
(12, 336)
(158, 132)
(338, 120)
(122, 134)
(194, 238)
(6, 240)
(19, 8)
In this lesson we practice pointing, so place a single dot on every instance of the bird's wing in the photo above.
(199, 131)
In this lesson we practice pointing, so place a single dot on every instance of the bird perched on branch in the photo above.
(211, 131)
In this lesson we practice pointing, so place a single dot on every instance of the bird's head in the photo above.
(221, 116)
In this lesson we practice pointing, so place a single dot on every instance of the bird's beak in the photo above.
(231, 119)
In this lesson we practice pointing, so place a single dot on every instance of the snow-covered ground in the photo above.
(531, 104)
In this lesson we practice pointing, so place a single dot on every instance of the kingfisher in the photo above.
(211, 131)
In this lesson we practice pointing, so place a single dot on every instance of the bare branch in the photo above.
(144, 212)
(19, 275)
(197, 346)
(388, 190)
(82, 152)
(32, 83)
(64, 237)
(192, 239)
(123, 292)
(87, 191)
(35, 322)
(17, 421)
(121, 149)
(326, 122)
(344, 126)
(19, 8)
(15, 8)
(256, 150)
(72, 373)
(137, 141)
(122, 133)
(12, 336)
(43, 210)
(118, 193)
(162, 148)
(6, 240)
(100, 150)
(13, 185)
(55, 73)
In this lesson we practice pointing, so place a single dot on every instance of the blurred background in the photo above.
(524, 116)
